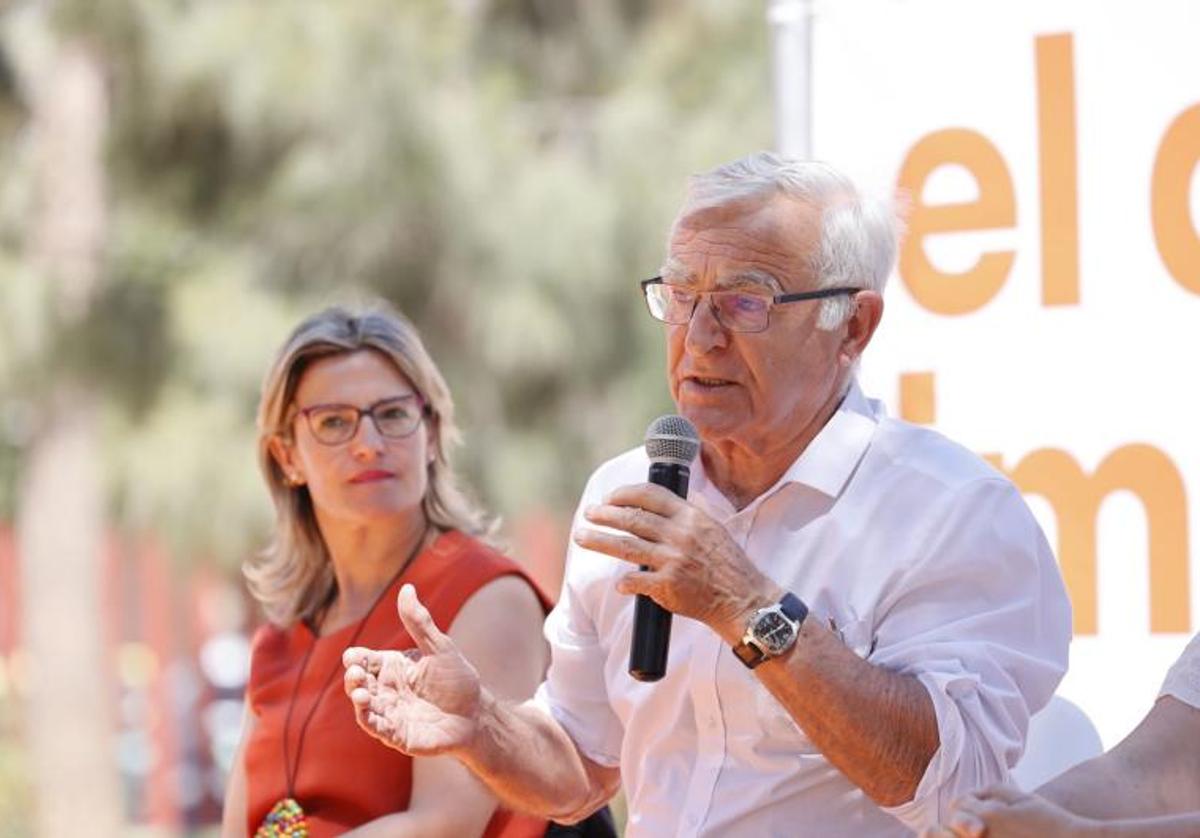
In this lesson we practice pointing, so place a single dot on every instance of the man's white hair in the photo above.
(858, 234)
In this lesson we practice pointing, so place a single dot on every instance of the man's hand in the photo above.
(421, 702)
(695, 567)
(1006, 812)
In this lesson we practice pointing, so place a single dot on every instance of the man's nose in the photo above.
(704, 331)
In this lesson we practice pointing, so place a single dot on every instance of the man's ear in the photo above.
(861, 325)
(284, 453)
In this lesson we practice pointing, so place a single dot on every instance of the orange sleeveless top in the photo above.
(345, 778)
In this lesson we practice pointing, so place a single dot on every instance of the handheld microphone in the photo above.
(672, 444)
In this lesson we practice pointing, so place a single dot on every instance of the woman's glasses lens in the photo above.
(398, 418)
(337, 423)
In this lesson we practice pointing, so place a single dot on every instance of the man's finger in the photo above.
(637, 582)
(648, 496)
(380, 726)
(370, 660)
(360, 714)
(387, 704)
(419, 623)
(624, 547)
(634, 520)
(354, 679)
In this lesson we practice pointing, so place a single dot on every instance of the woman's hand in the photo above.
(422, 702)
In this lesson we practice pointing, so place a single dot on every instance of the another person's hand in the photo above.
(1006, 812)
(696, 569)
(422, 702)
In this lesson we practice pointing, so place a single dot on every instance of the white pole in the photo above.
(791, 39)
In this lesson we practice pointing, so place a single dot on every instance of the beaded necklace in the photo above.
(287, 818)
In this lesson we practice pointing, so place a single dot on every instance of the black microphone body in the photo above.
(651, 622)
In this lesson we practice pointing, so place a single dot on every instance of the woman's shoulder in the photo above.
(275, 645)
(274, 651)
(459, 543)
(473, 560)
(463, 564)
(268, 633)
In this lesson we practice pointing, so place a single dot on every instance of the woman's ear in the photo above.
(284, 453)
(431, 440)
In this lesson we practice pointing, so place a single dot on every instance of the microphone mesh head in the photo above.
(672, 439)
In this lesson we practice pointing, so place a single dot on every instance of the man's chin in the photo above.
(711, 422)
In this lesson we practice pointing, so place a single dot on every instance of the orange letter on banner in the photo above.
(1057, 164)
(1076, 498)
(1175, 230)
(944, 293)
(917, 398)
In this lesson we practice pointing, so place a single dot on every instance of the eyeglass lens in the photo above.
(739, 311)
(336, 423)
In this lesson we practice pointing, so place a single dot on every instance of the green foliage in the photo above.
(503, 172)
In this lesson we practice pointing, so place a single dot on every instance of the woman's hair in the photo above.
(293, 577)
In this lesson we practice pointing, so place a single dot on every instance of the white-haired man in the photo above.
(917, 613)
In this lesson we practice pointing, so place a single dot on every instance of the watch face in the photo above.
(774, 631)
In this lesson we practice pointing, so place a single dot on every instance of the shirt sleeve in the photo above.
(574, 691)
(982, 620)
(1183, 678)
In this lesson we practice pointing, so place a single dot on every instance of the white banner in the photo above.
(1046, 308)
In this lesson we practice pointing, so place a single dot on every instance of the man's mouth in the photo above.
(705, 381)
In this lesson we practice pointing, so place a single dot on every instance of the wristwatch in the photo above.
(771, 631)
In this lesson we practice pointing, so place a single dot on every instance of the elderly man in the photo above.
(916, 613)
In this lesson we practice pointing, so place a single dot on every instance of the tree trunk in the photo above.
(60, 520)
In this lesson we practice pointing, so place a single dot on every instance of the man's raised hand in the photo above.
(423, 701)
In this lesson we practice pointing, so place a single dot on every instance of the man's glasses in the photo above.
(334, 424)
(737, 311)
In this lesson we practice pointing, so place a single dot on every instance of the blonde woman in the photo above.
(355, 426)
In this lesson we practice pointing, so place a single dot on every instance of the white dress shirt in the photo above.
(925, 559)
(1183, 678)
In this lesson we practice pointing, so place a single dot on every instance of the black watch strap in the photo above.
(794, 608)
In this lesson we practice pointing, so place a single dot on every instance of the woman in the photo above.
(355, 423)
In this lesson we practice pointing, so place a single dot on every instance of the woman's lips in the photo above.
(372, 476)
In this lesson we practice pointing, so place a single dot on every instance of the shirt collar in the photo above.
(825, 465)
(828, 461)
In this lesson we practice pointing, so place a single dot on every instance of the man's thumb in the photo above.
(419, 623)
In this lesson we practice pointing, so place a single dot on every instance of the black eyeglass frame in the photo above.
(776, 299)
(425, 412)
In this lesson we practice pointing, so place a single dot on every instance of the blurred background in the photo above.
(180, 182)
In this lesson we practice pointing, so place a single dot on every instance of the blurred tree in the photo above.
(504, 171)
(60, 514)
